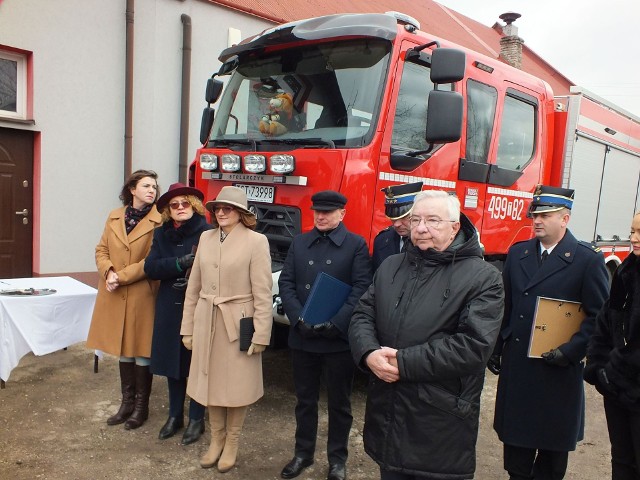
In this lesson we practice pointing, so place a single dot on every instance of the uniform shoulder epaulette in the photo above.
(591, 246)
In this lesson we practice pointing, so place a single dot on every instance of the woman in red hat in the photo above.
(122, 321)
(169, 261)
(231, 279)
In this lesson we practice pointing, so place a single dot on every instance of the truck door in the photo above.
(516, 157)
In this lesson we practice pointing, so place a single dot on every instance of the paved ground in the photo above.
(53, 413)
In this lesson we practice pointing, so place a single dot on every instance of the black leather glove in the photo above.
(185, 261)
(327, 330)
(305, 330)
(555, 357)
(494, 364)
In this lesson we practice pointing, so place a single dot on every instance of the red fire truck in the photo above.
(363, 101)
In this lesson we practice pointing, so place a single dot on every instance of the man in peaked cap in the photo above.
(323, 349)
(539, 414)
(397, 205)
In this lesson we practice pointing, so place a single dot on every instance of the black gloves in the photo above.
(555, 357)
(494, 364)
(327, 330)
(185, 261)
(305, 330)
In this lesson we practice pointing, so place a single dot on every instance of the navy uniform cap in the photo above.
(551, 199)
(399, 199)
(328, 200)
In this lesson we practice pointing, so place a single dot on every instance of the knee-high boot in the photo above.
(217, 420)
(144, 378)
(235, 421)
(128, 386)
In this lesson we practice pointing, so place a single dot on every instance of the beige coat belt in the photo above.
(222, 303)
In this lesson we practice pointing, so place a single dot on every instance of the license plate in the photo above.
(258, 193)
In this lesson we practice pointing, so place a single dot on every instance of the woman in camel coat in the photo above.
(230, 279)
(122, 322)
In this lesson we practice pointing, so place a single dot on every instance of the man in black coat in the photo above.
(397, 206)
(539, 414)
(323, 348)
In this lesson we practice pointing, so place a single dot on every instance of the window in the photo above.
(13, 85)
(481, 112)
(517, 133)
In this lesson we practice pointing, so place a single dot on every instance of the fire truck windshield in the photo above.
(326, 94)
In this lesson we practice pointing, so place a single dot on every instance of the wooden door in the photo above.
(16, 203)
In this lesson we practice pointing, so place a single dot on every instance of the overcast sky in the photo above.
(594, 43)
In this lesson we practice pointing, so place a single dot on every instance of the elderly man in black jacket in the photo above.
(424, 331)
(323, 349)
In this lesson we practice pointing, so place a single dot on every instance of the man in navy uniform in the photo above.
(323, 350)
(539, 414)
(397, 205)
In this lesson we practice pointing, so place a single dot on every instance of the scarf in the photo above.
(132, 216)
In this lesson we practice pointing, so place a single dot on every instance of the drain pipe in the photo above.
(128, 92)
(183, 165)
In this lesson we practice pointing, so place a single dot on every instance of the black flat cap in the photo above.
(328, 200)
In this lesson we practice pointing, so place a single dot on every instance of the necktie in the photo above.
(544, 256)
(403, 244)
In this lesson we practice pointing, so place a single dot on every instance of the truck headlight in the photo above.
(230, 162)
(208, 161)
(255, 163)
(282, 163)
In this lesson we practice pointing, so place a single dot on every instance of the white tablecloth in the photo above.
(42, 324)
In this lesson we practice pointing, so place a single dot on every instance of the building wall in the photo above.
(78, 61)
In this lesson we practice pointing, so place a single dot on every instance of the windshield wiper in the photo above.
(301, 141)
(237, 141)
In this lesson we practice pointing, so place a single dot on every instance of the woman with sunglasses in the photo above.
(230, 280)
(122, 321)
(169, 261)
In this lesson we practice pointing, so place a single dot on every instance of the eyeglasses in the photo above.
(177, 205)
(223, 208)
(433, 222)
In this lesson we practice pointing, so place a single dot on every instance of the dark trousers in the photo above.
(337, 370)
(529, 463)
(387, 475)
(624, 434)
(177, 395)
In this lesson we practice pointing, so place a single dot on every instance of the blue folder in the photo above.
(327, 296)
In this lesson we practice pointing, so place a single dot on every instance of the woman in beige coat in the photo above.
(122, 322)
(230, 279)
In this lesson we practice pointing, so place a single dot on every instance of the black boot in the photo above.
(143, 390)
(192, 433)
(128, 386)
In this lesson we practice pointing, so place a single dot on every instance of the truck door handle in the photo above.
(24, 213)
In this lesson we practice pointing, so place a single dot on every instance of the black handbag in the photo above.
(246, 333)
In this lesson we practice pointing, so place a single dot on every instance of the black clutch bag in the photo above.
(246, 333)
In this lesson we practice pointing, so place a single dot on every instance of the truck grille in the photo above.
(279, 224)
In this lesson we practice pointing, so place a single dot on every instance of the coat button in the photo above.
(215, 265)
(214, 287)
(517, 339)
(307, 286)
(526, 294)
(310, 262)
(328, 262)
(521, 316)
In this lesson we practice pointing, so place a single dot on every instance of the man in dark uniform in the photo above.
(323, 350)
(539, 414)
(397, 205)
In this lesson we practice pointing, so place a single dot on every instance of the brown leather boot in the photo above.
(235, 421)
(128, 386)
(217, 419)
(144, 378)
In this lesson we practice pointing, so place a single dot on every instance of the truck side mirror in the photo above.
(213, 91)
(447, 65)
(205, 126)
(444, 117)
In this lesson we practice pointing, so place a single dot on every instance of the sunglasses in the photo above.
(177, 205)
(223, 208)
